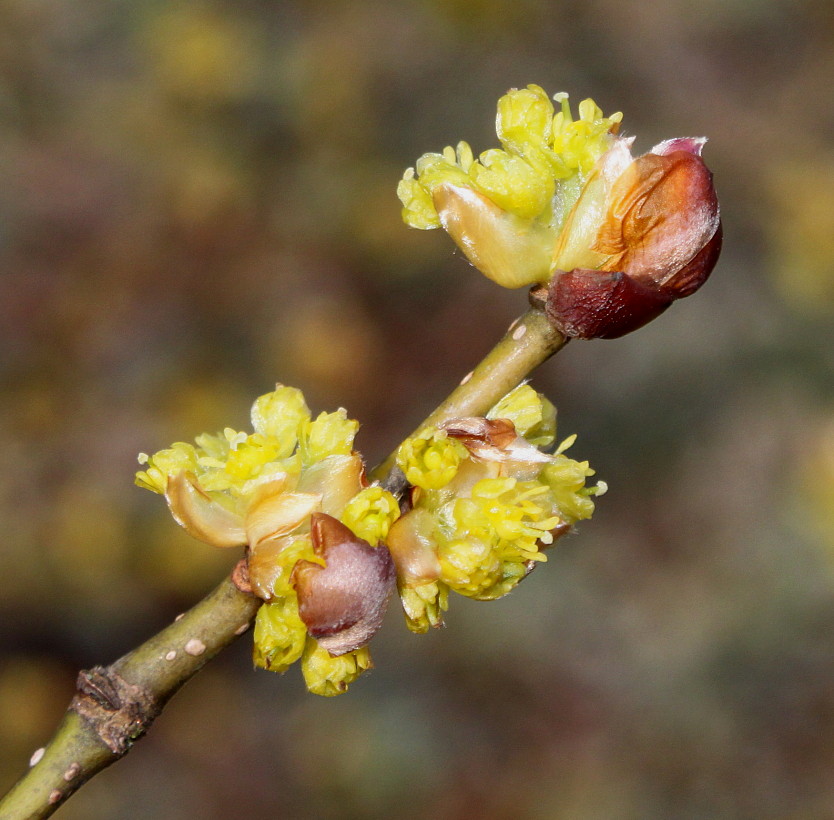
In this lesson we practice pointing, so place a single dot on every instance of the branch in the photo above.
(114, 705)
(530, 341)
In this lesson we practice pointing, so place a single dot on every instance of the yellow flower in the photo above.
(430, 459)
(177, 458)
(279, 635)
(329, 434)
(469, 566)
(480, 532)
(566, 480)
(511, 515)
(505, 208)
(329, 676)
(424, 605)
(370, 514)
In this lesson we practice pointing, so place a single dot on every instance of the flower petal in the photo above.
(343, 603)
(199, 515)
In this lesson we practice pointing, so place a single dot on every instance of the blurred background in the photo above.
(197, 200)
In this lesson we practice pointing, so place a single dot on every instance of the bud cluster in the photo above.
(294, 493)
(611, 241)
(324, 549)
(489, 504)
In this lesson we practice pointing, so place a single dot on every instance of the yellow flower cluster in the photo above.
(538, 172)
(484, 504)
(258, 490)
(430, 459)
(231, 465)
(370, 514)
(281, 639)
(479, 523)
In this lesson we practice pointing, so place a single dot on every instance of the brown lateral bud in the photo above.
(343, 603)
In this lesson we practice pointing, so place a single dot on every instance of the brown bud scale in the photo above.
(343, 603)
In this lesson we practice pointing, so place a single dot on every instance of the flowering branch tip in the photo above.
(563, 204)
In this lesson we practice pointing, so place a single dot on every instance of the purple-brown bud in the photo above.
(342, 604)
(593, 304)
(660, 237)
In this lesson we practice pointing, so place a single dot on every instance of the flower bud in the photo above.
(370, 514)
(343, 603)
(660, 236)
(430, 459)
(279, 636)
(329, 676)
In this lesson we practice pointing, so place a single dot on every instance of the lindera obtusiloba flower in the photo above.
(485, 503)
(607, 241)
(323, 548)
(293, 492)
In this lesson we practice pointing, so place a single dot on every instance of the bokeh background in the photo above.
(197, 200)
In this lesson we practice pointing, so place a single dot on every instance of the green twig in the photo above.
(529, 342)
(115, 705)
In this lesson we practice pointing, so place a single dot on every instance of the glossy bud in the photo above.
(660, 236)
(342, 604)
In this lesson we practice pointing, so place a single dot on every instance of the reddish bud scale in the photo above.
(475, 432)
(662, 236)
(592, 304)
